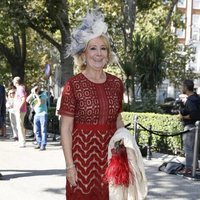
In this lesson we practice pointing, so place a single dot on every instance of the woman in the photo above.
(90, 112)
(9, 106)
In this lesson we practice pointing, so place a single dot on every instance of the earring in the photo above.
(84, 62)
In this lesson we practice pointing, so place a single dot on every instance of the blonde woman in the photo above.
(90, 111)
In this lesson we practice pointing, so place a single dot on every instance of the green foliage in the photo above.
(177, 62)
(5, 77)
(148, 104)
(51, 112)
(151, 21)
(149, 56)
(14, 18)
(159, 122)
(147, 5)
(153, 56)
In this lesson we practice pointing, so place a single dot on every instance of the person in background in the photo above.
(58, 104)
(90, 110)
(12, 117)
(189, 114)
(57, 110)
(1, 176)
(2, 111)
(50, 99)
(38, 100)
(20, 110)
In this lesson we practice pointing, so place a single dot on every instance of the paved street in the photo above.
(30, 174)
(164, 186)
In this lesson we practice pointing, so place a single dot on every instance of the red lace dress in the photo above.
(95, 108)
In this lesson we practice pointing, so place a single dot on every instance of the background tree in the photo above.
(149, 58)
(140, 31)
(178, 66)
(50, 20)
(155, 47)
(12, 41)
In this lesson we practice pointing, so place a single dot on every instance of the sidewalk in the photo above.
(30, 174)
(164, 186)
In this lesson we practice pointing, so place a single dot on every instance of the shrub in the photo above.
(159, 122)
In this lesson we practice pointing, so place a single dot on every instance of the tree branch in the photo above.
(129, 13)
(16, 43)
(169, 15)
(44, 35)
(58, 14)
(23, 46)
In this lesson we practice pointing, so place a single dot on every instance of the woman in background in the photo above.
(10, 107)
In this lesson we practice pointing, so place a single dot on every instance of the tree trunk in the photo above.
(16, 58)
(58, 13)
(66, 66)
(18, 69)
(129, 13)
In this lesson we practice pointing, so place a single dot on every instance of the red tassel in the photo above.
(118, 171)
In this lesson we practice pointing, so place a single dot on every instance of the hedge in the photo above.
(159, 122)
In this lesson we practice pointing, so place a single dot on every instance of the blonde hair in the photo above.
(79, 61)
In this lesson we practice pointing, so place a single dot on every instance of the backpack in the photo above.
(171, 167)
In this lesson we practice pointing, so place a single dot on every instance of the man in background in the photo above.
(189, 114)
(2, 111)
(38, 100)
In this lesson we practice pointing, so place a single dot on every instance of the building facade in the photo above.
(190, 35)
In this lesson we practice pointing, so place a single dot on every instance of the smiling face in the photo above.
(96, 53)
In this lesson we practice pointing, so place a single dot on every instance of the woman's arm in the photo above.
(120, 122)
(66, 140)
(29, 98)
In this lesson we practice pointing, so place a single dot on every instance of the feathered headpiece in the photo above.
(92, 26)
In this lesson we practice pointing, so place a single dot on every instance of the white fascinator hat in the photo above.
(92, 26)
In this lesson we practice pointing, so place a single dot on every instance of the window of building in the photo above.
(182, 3)
(194, 49)
(192, 66)
(195, 20)
(196, 4)
(180, 33)
(195, 34)
(195, 27)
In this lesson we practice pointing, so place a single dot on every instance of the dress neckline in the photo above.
(95, 82)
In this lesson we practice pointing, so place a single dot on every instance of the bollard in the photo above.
(196, 147)
(136, 134)
(149, 144)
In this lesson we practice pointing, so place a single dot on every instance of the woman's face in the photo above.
(96, 53)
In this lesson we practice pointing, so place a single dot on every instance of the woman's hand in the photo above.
(72, 176)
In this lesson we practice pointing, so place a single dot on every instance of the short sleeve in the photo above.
(68, 102)
(44, 96)
(21, 92)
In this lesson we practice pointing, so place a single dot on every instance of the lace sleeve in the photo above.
(68, 102)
